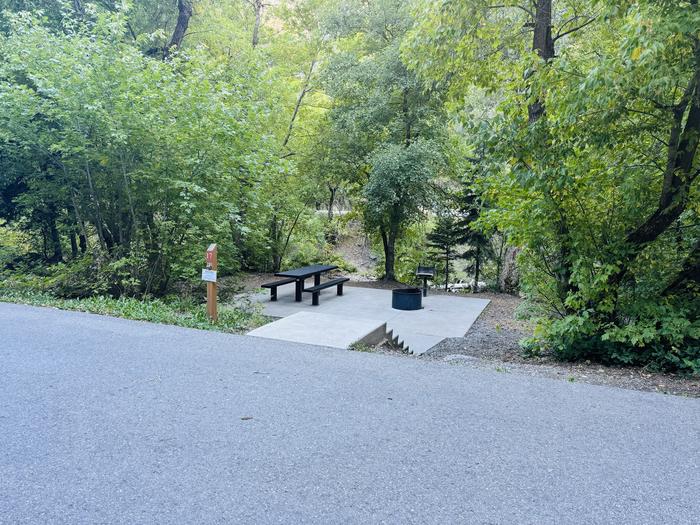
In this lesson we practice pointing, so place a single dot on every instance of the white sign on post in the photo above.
(209, 275)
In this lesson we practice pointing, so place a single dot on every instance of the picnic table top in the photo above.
(306, 271)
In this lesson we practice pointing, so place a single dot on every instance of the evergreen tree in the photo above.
(479, 248)
(448, 233)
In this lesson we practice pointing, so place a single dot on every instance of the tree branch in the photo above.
(574, 29)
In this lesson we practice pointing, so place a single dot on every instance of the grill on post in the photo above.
(425, 272)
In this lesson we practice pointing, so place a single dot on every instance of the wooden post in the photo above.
(212, 264)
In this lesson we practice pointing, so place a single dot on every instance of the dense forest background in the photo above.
(548, 145)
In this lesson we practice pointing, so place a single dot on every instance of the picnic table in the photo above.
(301, 274)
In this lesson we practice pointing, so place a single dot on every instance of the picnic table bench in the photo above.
(316, 290)
(299, 276)
(273, 286)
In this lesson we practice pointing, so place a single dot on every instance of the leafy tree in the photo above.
(146, 160)
(591, 166)
(475, 39)
(390, 123)
(400, 189)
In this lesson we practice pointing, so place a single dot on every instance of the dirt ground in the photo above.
(355, 248)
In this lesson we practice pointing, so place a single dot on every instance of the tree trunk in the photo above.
(389, 271)
(300, 99)
(331, 202)
(257, 7)
(389, 242)
(184, 13)
(509, 278)
(274, 237)
(79, 222)
(133, 227)
(289, 235)
(499, 262)
(563, 269)
(82, 242)
(74, 232)
(54, 240)
(276, 263)
(679, 174)
(109, 240)
(73, 245)
(543, 44)
(96, 201)
(447, 267)
(477, 269)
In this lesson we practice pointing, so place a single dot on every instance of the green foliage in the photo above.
(147, 161)
(608, 231)
(385, 132)
(660, 337)
(362, 347)
(172, 310)
(401, 188)
(401, 184)
(311, 247)
(411, 251)
(13, 244)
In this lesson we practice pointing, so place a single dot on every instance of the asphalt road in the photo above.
(111, 421)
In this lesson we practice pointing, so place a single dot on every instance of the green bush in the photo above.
(660, 337)
(13, 245)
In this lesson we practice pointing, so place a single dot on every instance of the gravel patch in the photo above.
(493, 342)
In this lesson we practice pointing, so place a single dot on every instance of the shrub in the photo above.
(660, 337)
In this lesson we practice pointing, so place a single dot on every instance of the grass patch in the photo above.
(359, 346)
(173, 310)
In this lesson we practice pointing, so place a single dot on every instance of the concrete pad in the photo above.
(442, 316)
(324, 330)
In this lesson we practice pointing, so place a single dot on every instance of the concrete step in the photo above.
(395, 339)
(413, 342)
(342, 332)
(323, 330)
